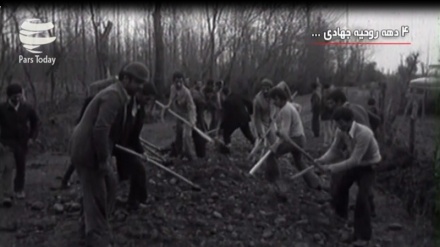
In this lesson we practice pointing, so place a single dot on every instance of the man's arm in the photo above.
(109, 106)
(333, 152)
(257, 118)
(284, 122)
(362, 142)
(34, 123)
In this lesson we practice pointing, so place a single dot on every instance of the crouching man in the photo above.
(289, 124)
(358, 141)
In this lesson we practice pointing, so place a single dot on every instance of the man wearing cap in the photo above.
(91, 146)
(15, 116)
(182, 100)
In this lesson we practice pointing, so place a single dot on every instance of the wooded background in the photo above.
(237, 44)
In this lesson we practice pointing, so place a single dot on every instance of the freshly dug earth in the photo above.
(234, 209)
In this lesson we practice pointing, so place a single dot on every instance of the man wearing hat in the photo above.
(182, 100)
(15, 116)
(91, 146)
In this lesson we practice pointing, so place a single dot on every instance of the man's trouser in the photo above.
(134, 170)
(6, 173)
(315, 124)
(340, 187)
(20, 152)
(272, 168)
(184, 132)
(199, 141)
(228, 130)
(99, 195)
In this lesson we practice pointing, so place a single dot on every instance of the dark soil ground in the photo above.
(234, 209)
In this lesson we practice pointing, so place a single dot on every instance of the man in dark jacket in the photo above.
(91, 147)
(15, 116)
(128, 166)
(236, 113)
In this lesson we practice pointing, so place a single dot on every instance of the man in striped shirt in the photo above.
(289, 124)
(358, 140)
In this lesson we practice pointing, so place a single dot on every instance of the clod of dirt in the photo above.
(58, 208)
(37, 206)
(267, 233)
(395, 227)
(217, 215)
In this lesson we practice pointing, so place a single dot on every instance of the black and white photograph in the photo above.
(219, 124)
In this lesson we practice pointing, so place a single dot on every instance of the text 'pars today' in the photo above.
(37, 59)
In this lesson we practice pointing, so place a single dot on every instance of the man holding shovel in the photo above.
(182, 100)
(263, 114)
(364, 154)
(289, 124)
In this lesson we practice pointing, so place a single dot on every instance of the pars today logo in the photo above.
(33, 34)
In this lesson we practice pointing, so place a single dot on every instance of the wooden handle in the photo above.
(205, 136)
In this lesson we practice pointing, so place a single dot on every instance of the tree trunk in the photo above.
(160, 49)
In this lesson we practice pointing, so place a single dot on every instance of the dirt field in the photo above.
(234, 209)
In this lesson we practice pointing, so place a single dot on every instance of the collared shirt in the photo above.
(365, 150)
(15, 107)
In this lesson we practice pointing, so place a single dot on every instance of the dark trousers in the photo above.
(20, 152)
(272, 168)
(131, 168)
(228, 130)
(340, 187)
(199, 141)
(315, 124)
(99, 194)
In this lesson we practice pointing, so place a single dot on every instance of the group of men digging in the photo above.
(115, 116)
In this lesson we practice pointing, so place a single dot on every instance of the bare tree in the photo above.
(160, 49)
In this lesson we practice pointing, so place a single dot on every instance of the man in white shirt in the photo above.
(289, 124)
(184, 105)
(363, 153)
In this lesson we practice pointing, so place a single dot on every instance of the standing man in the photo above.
(218, 111)
(336, 99)
(264, 112)
(15, 117)
(200, 96)
(181, 99)
(131, 167)
(289, 124)
(91, 146)
(326, 116)
(316, 102)
(236, 113)
(364, 153)
(6, 176)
